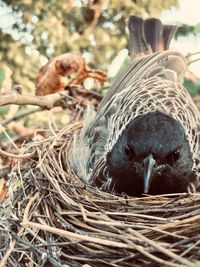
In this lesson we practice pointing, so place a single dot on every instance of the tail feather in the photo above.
(168, 33)
(150, 35)
(152, 31)
(137, 45)
(146, 40)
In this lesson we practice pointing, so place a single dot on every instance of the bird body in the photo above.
(144, 138)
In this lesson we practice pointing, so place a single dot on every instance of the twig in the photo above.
(190, 248)
(95, 224)
(27, 209)
(40, 251)
(20, 115)
(193, 61)
(68, 234)
(2, 129)
(48, 101)
(17, 156)
(162, 249)
(7, 254)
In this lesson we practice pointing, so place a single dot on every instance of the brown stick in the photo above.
(161, 248)
(7, 254)
(48, 101)
(17, 156)
(20, 115)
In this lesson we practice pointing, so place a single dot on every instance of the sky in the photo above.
(187, 12)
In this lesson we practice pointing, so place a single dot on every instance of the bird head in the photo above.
(152, 155)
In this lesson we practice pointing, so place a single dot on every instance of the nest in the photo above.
(55, 219)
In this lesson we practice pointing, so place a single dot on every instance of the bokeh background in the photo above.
(32, 32)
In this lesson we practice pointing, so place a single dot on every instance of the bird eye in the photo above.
(173, 156)
(129, 152)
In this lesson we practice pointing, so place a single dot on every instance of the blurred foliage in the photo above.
(13, 54)
(185, 30)
(192, 87)
(2, 76)
(43, 29)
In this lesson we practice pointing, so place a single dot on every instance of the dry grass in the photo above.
(54, 219)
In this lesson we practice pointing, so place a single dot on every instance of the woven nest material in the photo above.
(54, 219)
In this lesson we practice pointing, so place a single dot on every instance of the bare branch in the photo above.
(20, 115)
(48, 101)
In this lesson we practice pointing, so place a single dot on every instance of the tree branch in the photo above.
(49, 101)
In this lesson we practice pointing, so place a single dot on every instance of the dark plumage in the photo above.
(144, 138)
(153, 134)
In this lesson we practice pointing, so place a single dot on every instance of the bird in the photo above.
(144, 138)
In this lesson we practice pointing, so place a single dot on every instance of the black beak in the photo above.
(149, 163)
